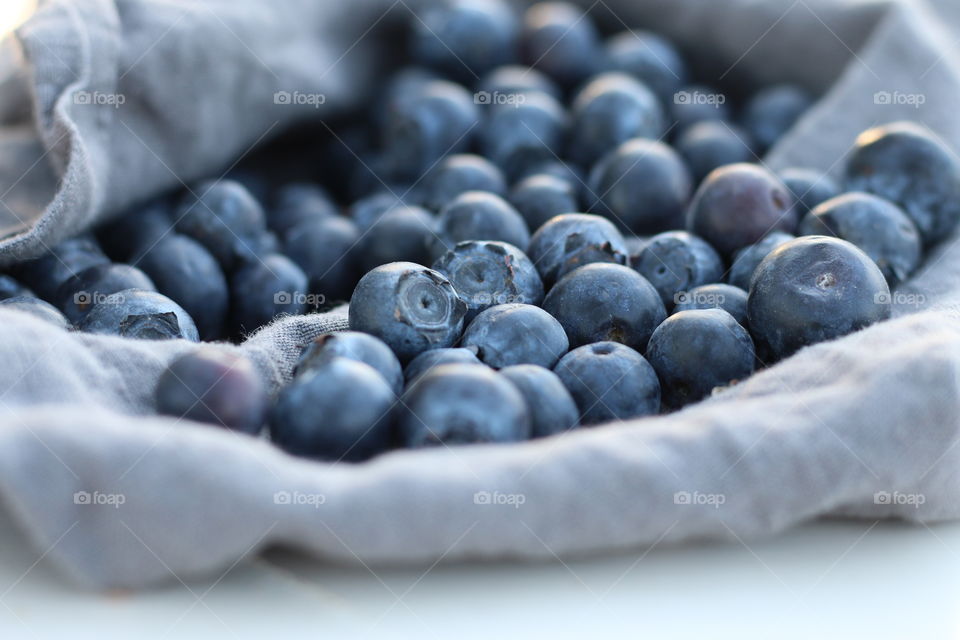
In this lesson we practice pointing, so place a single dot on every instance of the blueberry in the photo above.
(183, 270)
(403, 86)
(511, 83)
(296, 203)
(731, 299)
(635, 246)
(342, 410)
(408, 306)
(437, 121)
(11, 288)
(136, 230)
(80, 293)
(572, 240)
(813, 289)
(746, 260)
(877, 226)
(809, 187)
(601, 302)
(38, 309)
(542, 196)
(739, 204)
(558, 169)
(643, 185)
(697, 103)
(611, 109)
(465, 38)
(708, 145)
(325, 249)
(696, 351)
(560, 40)
(462, 404)
(676, 261)
(265, 289)
(527, 134)
(609, 381)
(650, 58)
(46, 274)
(477, 215)
(905, 164)
(772, 111)
(457, 174)
(436, 357)
(367, 210)
(401, 234)
(225, 218)
(146, 315)
(551, 407)
(510, 334)
(214, 386)
(487, 273)
(353, 345)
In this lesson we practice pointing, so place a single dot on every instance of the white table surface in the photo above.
(835, 579)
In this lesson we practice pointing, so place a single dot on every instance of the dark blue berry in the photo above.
(518, 137)
(487, 273)
(510, 334)
(551, 407)
(642, 185)
(408, 306)
(137, 230)
(353, 345)
(401, 234)
(46, 274)
(809, 187)
(509, 83)
(457, 174)
(737, 205)
(708, 145)
(462, 404)
(813, 289)
(877, 226)
(225, 218)
(905, 164)
(214, 386)
(297, 203)
(772, 111)
(611, 109)
(542, 196)
(572, 240)
(601, 302)
(650, 58)
(265, 289)
(341, 410)
(609, 381)
(436, 357)
(561, 41)
(38, 309)
(325, 249)
(675, 262)
(184, 271)
(11, 288)
(731, 299)
(746, 260)
(146, 315)
(697, 351)
(81, 292)
(477, 215)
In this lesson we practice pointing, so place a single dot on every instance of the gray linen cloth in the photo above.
(865, 426)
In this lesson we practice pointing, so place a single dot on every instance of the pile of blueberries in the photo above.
(552, 230)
